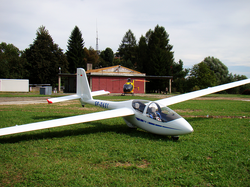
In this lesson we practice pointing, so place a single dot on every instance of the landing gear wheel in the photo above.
(175, 138)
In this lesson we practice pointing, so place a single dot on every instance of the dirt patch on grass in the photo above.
(144, 164)
(222, 98)
(141, 164)
(187, 110)
(22, 100)
(208, 116)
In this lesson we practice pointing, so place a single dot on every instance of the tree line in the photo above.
(152, 54)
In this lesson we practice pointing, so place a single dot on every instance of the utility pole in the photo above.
(170, 86)
(59, 80)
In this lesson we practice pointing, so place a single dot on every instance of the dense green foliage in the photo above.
(75, 52)
(211, 72)
(128, 50)
(107, 57)
(160, 56)
(142, 54)
(219, 69)
(179, 76)
(11, 62)
(44, 59)
(91, 57)
(108, 153)
(155, 57)
(240, 89)
(160, 53)
(202, 77)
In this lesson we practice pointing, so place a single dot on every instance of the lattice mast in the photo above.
(96, 46)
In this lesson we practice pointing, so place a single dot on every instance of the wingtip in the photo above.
(49, 102)
(108, 92)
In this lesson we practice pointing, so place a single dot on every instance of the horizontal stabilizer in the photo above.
(64, 98)
(100, 92)
(67, 121)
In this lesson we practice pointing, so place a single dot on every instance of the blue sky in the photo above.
(196, 28)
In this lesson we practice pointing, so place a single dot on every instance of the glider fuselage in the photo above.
(161, 121)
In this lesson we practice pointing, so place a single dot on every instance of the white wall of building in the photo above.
(14, 85)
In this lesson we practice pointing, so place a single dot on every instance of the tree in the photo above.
(160, 57)
(128, 48)
(201, 77)
(13, 65)
(142, 54)
(177, 70)
(219, 69)
(91, 57)
(239, 89)
(44, 58)
(107, 57)
(117, 59)
(179, 74)
(75, 52)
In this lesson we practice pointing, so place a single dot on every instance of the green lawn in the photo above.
(108, 153)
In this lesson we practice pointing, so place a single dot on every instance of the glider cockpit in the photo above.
(154, 111)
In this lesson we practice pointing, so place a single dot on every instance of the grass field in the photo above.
(108, 153)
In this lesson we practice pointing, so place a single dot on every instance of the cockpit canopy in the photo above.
(138, 105)
(154, 111)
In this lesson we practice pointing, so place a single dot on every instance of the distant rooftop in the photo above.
(115, 70)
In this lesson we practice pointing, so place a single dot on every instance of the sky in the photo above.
(196, 28)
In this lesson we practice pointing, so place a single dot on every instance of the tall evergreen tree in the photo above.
(44, 58)
(107, 57)
(75, 52)
(160, 57)
(177, 70)
(179, 75)
(142, 54)
(128, 49)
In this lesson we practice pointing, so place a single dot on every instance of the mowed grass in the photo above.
(108, 153)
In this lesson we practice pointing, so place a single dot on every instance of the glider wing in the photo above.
(67, 121)
(184, 97)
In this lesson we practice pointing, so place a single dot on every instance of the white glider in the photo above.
(154, 117)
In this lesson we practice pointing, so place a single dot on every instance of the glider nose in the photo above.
(186, 127)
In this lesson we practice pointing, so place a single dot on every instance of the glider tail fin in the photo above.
(83, 89)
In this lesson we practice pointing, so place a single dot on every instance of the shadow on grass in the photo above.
(42, 118)
(98, 127)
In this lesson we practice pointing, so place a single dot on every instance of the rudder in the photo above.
(83, 89)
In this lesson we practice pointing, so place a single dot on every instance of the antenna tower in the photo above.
(97, 47)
